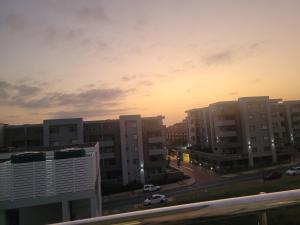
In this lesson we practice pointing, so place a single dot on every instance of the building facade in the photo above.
(249, 132)
(176, 135)
(67, 187)
(132, 148)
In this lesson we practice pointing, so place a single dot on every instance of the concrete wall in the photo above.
(42, 214)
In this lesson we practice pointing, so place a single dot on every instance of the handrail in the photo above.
(200, 210)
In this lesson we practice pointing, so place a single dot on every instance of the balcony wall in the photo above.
(227, 134)
(158, 151)
(106, 143)
(225, 123)
(156, 140)
(47, 178)
(108, 155)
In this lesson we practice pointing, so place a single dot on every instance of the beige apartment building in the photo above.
(249, 132)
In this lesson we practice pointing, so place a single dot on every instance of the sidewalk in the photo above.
(165, 187)
(260, 170)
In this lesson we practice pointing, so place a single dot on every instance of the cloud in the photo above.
(218, 57)
(26, 96)
(89, 112)
(91, 14)
(232, 54)
(233, 93)
(14, 90)
(15, 22)
(145, 83)
(129, 77)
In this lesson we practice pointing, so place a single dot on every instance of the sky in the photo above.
(101, 59)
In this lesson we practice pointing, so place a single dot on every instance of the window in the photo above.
(266, 138)
(251, 117)
(264, 127)
(251, 127)
(267, 149)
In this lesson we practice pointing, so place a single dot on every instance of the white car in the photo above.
(293, 171)
(154, 199)
(150, 187)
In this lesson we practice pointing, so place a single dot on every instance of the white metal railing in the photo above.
(47, 178)
(181, 214)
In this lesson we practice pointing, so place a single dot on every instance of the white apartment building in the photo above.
(51, 190)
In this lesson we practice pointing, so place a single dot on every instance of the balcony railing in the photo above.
(156, 140)
(225, 123)
(106, 144)
(227, 134)
(184, 214)
(158, 151)
(107, 155)
(47, 178)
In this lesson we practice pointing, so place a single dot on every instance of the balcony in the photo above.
(158, 151)
(227, 134)
(107, 155)
(220, 123)
(295, 110)
(156, 140)
(106, 144)
(47, 178)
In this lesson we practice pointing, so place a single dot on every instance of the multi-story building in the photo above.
(107, 133)
(23, 136)
(1, 135)
(198, 128)
(293, 112)
(176, 135)
(132, 148)
(50, 189)
(62, 132)
(249, 132)
(154, 149)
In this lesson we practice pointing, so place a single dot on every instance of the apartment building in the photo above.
(2, 134)
(68, 187)
(60, 132)
(124, 144)
(23, 136)
(154, 148)
(198, 128)
(176, 134)
(251, 131)
(293, 111)
(107, 133)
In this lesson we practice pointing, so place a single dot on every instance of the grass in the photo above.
(285, 215)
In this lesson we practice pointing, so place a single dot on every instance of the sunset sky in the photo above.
(100, 59)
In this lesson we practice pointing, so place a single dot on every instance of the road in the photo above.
(204, 180)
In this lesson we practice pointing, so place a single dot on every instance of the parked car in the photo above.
(293, 171)
(150, 188)
(272, 176)
(154, 199)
